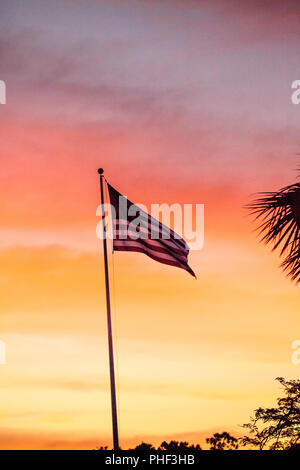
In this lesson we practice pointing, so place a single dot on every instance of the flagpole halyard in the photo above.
(109, 327)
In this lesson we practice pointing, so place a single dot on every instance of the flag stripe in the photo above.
(147, 247)
(154, 245)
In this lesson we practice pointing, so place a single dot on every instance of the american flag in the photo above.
(135, 230)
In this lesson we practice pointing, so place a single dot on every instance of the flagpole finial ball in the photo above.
(100, 171)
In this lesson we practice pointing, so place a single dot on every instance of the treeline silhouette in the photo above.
(276, 428)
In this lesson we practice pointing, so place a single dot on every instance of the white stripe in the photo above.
(124, 243)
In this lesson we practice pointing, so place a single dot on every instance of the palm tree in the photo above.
(279, 213)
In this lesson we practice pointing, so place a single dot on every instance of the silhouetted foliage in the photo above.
(171, 446)
(277, 428)
(280, 215)
(176, 445)
(144, 447)
(222, 441)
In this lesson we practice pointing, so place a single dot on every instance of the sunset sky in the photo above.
(179, 101)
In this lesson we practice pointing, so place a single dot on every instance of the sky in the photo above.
(180, 102)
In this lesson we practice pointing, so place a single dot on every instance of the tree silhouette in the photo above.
(279, 427)
(222, 441)
(280, 215)
(176, 445)
(144, 447)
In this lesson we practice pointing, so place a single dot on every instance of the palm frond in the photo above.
(279, 216)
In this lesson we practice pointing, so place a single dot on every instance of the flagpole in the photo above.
(109, 328)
